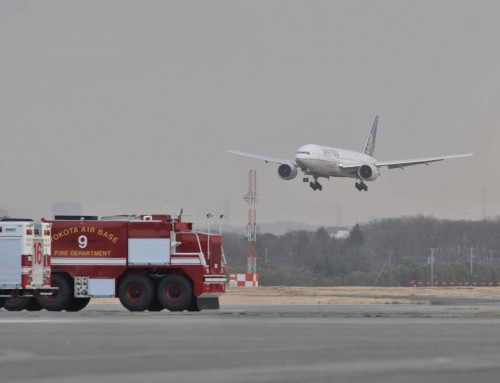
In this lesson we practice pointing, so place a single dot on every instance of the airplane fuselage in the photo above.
(326, 161)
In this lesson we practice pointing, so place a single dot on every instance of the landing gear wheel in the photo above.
(175, 293)
(61, 298)
(361, 186)
(136, 292)
(78, 304)
(315, 185)
(17, 303)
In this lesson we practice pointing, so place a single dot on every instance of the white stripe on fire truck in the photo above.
(216, 279)
(87, 261)
(184, 261)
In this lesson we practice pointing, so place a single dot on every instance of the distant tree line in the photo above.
(386, 252)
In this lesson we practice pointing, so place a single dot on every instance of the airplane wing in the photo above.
(259, 157)
(401, 164)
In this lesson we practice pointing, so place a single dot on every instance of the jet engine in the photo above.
(287, 171)
(368, 172)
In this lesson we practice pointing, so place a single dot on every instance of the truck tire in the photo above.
(156, 305)
(78, 304)
(2, 301)
(17, 303)
(175, 293)
(193, 306)
(34, 305)
(136, 293)
(60, 299)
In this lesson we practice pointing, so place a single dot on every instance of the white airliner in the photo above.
(324, 161)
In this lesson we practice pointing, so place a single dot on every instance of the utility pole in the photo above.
(209, 215)
(432, 266)
(220, 223)
(387, 260)
(471, 271)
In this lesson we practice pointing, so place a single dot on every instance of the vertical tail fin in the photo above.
(370, 144)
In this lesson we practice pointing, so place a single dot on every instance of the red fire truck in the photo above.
(149, 262)
(24, 263)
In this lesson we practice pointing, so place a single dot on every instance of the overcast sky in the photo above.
(130, 106)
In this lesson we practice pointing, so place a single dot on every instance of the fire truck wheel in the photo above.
(78, 304)
(34, 305)
(136, 293)
(175, 293)
(156, 305)
(194, 306)
(17, 304)
(62, 298)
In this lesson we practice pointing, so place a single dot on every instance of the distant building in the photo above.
(341, 232)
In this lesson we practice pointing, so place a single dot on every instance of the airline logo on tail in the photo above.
(370, 144)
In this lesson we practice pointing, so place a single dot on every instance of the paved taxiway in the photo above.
(374, 343)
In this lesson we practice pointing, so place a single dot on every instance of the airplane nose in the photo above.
(299, 160)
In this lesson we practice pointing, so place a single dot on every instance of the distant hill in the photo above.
(281, 227)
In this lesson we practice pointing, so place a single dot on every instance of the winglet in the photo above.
(370, 143)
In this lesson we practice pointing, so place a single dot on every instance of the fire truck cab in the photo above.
(150, 262)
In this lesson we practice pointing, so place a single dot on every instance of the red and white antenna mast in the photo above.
(251, 199)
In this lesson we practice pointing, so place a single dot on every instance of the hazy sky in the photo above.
(130, 106)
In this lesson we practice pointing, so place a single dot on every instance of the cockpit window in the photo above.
(301, 152)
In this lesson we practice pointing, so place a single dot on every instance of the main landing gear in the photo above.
(361, 186)
(315, 185)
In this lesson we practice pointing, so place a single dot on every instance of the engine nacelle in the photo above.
(368, 172)
(287, 171)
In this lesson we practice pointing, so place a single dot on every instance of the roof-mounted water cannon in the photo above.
(179, 216)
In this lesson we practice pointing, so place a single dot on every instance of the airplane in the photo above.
(320, 161)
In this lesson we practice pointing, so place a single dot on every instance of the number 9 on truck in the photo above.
(82, 241)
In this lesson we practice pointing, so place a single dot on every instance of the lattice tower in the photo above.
(251, 199)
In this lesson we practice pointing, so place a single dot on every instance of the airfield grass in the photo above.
(345, 295)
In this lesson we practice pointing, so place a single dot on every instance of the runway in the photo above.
(354, 343)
